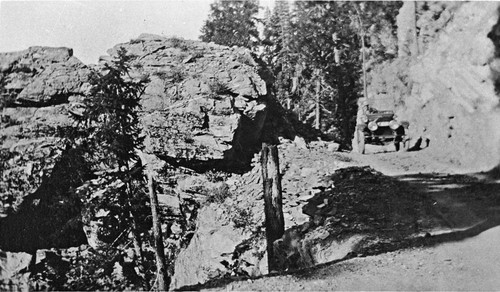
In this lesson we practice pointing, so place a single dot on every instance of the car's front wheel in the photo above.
(398, 145)
(406, 146)
(402, 146)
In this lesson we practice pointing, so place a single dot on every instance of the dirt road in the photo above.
(460, 251)
(470, 264)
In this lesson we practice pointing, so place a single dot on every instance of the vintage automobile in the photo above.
(381, 128)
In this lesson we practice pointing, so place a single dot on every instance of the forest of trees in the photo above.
(315, 51)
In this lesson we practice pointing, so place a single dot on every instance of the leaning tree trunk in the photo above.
(152, 165)
(161, 271)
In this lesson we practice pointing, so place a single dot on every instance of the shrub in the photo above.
(216, 176)
(137, 66)
(242, 217)
(7, 121)
(163, 75)
(217, 88)
(189, 140)
(218, 194)
(197, 54)
(177, 75)
(178, 43)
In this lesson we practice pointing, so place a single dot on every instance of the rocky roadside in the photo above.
(427, 231)
(471, 264)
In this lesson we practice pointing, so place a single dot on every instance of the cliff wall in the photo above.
(447, 90)
(205, 107)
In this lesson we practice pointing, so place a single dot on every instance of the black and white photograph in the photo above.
(249, 145)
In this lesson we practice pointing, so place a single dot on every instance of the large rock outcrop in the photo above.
(204, 106)
(447, 91)
(38, 87)
(204, 103)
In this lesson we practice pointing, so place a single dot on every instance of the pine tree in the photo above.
(315, 53)
(112, 114)
(109, 135)
(277, 39)
(324, 44)
(232, 23)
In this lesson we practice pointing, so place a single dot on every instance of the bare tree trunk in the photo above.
(363, 53)
(365, 91)
(136, 236)
(273, 205)
(138, 249)
(161, 271)
(317, 124)
(414, 47)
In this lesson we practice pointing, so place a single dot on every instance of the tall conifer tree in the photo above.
(232, 23)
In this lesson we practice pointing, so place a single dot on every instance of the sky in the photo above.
(91, 27)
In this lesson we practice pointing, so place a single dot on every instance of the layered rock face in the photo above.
(204, 106)
(447, 91)
(42, 76)
(203, 102)
(38, 86)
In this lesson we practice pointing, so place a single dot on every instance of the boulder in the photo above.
(303, 249)
(42, 75)
(203, 102)
(34, 58)
(56, 83)
(218, 249)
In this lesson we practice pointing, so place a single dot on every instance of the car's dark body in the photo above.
(381, 132)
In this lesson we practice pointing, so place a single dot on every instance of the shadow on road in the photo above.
(463, 206)
(448, 208)
(462, 201)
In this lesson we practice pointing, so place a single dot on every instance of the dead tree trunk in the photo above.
(161, 271)
(363, 56)
(139, 254)
(273, 205)
(414, 46)
(365, 90)
(317, 124)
